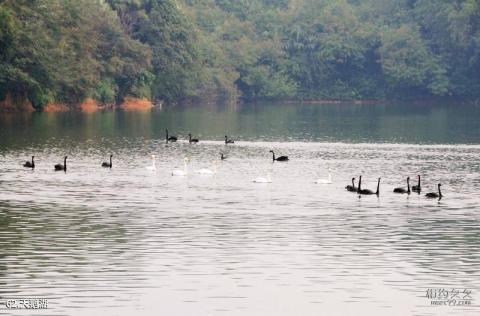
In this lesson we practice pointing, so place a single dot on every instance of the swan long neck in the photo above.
(419, 181)
(353, 182)
(439, 191)
(359, 184)
(166, 134)
(408, 185)
(378, 187)
(273, 155)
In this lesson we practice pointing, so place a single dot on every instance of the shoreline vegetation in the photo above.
(143, 104)
(12, 105)
(59, 55)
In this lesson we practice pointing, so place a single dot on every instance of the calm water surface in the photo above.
(131, 241)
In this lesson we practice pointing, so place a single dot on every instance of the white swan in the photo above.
(325, 181)
(206, 171)
(268, 179)
(180, 172)
(152, 167)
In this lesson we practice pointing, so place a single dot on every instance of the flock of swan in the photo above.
(268, 179)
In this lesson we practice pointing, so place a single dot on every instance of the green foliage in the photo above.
(407, 62)
(105, 91)
(8, 33)
(64, 50)
(261, 82)
(67, 50)
(331, 51)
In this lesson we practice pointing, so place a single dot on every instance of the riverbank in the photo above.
(22, 104)
(17, 104)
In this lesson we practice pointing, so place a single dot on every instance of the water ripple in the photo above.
(129, 241)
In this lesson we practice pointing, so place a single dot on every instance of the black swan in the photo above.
(29, 164)
(106, 164)
(171, 138)
(228, 141)
(222, 157)
(367, 191)
(433, 195)
(192, 140)
(59, 166)
(403, 190)
(352, 188)
(281, 158)
(417, 188)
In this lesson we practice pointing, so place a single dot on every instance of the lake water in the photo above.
(131, 241)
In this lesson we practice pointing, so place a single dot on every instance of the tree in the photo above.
(407, 63)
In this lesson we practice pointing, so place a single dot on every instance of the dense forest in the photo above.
(65, 51)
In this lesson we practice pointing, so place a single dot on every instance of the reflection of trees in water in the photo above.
(407, 123)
